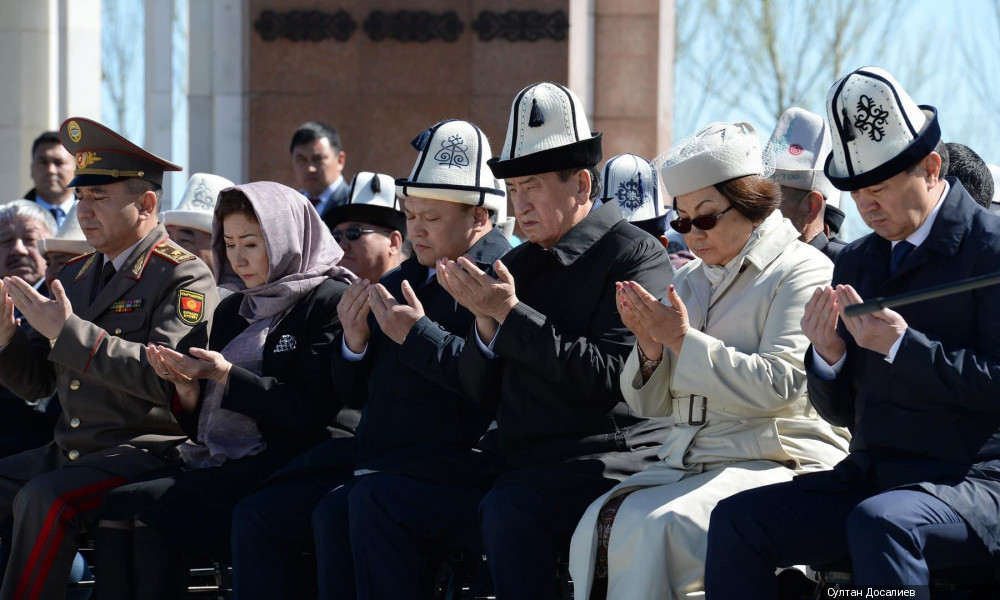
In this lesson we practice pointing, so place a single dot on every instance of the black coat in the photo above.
(416, 418)
(930, 419)
(830, 246)
(293, 401)
(560, 353)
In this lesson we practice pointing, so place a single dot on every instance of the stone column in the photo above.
(159, 109)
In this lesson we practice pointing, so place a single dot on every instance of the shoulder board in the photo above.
(171, 252)
(91, 259)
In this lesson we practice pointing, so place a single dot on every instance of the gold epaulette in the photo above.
(92, 258)
(170, 251)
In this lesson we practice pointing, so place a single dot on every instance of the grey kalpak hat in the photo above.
(878, 131)
(69, 239)
(372, 200)
(631, 181)
(801, 143)
(197, 207)
(547, 131)
(718, 152)
(451, 166)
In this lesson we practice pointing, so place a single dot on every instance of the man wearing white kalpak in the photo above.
(801, 142)
(918, 385)
(190, 224)
(631, 181)
(724, 358)
(548, 345)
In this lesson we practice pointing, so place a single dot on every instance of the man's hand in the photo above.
(484, 296)
(666, 324)
(353, 312)
(395, 319)
(8, 325)
(819, 324)
(46, 316)
(877, 331)
(205, 364)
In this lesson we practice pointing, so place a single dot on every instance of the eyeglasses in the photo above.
(352, 234)
(704, 222)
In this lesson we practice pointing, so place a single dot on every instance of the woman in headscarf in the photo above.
(260, 395)
(723, 356)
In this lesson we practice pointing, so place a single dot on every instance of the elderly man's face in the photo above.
(195, 241)
(896, 207)
(317, 165)
(52, 170)
(547, 207)
(19, 253)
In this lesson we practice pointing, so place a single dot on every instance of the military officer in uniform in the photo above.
(138, 288)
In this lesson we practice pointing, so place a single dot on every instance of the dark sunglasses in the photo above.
(352, 234)
(704, 222)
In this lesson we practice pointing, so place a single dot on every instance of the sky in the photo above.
(943, 53)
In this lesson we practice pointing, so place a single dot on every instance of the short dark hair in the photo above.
(942, 151)
(313, 130)
(595, 178)
(48, 137)
(136, 186)
(971, 171)
(752, 196)
(234, 202)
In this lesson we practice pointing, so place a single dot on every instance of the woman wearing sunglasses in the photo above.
(723, 356)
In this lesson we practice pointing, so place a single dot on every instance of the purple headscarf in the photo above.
(300, 250)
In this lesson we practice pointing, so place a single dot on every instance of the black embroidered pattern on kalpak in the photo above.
(203, 197)
(872, 119)
(536, 118)
(630, 194)
(453, 152)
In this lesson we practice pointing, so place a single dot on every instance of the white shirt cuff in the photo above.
(487, 350)
(892, 351)
(351, 356)
(824, 370)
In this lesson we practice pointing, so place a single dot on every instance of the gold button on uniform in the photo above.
(118, 331)
(74, 454)
(74, 385)
(74, 422)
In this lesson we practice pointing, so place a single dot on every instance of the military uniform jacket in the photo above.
(416, 417)
(109, 393)
(931, 418)
(561, 351)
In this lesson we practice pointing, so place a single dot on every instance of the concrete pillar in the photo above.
(159, 110)
(217, 89)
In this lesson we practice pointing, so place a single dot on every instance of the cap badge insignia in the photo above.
(453, 152)
(75, 134)
(630, 194)
(190, 306)
(872, 119)
(84, 159)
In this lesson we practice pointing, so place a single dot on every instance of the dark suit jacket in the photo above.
(932, 417)
(831, 247)
(339, 197)
(293, 400)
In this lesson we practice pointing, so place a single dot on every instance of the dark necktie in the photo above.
(899, 254)
(107, 272)
(58, 214)
(315, 200)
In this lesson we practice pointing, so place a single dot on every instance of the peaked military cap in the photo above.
(103, 156)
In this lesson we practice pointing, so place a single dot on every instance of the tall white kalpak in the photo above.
(801, 143)
(197, 207)
(547, 131)
(632, 182)
(878, 130)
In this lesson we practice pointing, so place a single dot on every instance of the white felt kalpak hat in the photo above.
(451, 166)
(69, 239)
(197, 207)
(547, 131)
(631, 181)
(717, 153)
(801, 143)
(878, 131)
(372, 200)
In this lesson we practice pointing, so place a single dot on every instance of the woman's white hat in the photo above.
(717, 153)
(801, 143)
(69, 239)
(631, 181)
(451, 166)
(878, 131)
(547, 131)
(372, 200)
(197, 207)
